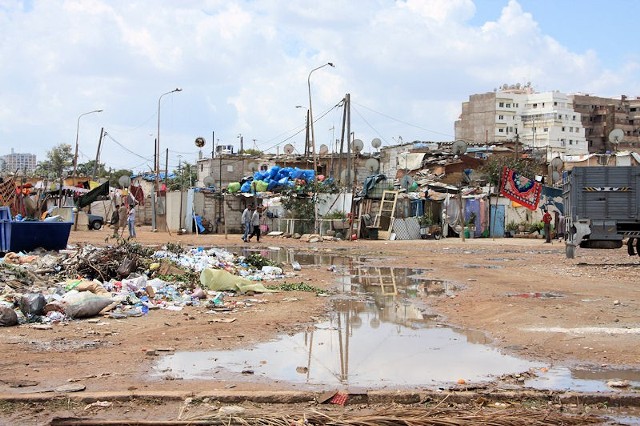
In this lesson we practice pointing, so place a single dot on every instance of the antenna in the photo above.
(376, 143)
(288, 148)
(616, 136)
(208, 181)
(324, 149)
(372, 165)
(357, 145)
(124, 181)
(459, 147)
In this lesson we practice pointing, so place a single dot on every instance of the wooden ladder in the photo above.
(386, 215)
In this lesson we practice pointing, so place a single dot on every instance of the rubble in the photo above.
(125, 280)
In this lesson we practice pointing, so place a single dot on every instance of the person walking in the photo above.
(131, 221)
(122, 215)
(546, 218)
(255, 223)
(115, 220)
(246, 222)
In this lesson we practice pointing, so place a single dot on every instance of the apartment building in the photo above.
(18, 162)
(544, 124)
(602, 115)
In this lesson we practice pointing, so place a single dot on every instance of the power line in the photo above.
(403, 122)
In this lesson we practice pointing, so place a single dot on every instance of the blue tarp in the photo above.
(279, 177)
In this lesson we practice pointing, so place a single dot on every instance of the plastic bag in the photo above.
(8, 317)
(84, 304)
(32, 305)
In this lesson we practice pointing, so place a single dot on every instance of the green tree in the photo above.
(185, 177)
(114, 176)
(493, 168)
(59, 161)
(86, 169)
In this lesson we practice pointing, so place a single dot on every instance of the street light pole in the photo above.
(75, 156)
(75, 163)
(313, 138)
(157, 165)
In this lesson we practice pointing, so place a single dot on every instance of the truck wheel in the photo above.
(630, 249)
(96, 225)
(570, 251)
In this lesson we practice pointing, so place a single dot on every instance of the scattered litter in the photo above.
(128, 280)
(223, 320)
(536, 295)
(98, 404)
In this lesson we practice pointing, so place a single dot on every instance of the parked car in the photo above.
(95, 221)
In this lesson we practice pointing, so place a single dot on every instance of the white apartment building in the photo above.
(543, 123)
(16, 162)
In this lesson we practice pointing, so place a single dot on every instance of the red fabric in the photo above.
(520, 189)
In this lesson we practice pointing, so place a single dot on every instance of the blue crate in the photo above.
(5, 235)
(5, 213)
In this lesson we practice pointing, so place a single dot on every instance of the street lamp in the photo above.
(313, 139)
(75, 156)
(157, 165)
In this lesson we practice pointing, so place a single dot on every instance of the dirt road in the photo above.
(523, 294)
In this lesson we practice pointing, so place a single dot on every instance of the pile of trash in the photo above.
(123, 281)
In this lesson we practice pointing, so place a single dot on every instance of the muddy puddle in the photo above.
(382, 334)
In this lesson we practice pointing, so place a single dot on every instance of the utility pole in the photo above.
(95, 166)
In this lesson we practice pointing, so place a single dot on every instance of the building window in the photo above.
(500, 130)
(555, 104)
(501, 117)
(570, 141)
(563, 128)
(508, 105)
(535, 105)
(574, 118)
(546, 129)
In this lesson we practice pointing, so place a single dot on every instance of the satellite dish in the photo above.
(124, 181)
(376, 143)
(288, 148)
(357, 145)
(372, 165)
(208, 181)
(616, 136)
(556, 164)
(459, 147)
(406, 182)
(200, 142)
(252, 166)
(324, 149)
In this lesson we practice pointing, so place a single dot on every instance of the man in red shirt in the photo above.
(546, 218)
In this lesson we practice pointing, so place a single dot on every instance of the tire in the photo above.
(96, 225)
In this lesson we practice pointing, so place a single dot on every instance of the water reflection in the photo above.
(379, 334)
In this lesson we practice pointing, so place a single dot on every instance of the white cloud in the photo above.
(244, 65)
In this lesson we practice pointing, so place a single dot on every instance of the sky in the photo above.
(245, 68)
